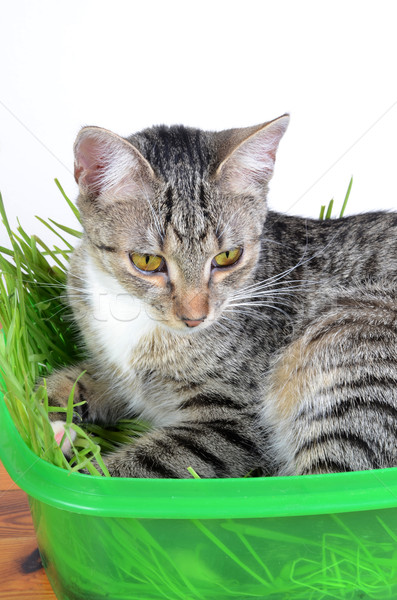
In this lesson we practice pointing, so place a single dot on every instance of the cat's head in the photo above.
(175, 214)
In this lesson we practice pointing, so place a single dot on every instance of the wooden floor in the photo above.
(22, 576)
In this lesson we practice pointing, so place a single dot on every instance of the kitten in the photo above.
(247, 338)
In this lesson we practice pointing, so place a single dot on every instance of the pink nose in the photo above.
(193, 323)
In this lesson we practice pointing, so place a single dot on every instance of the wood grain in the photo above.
(6, 483)
(15, 519)
(22, 576)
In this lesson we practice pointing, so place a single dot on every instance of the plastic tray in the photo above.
(286, 538)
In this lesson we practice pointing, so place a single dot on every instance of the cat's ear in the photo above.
(106, 163)
(248, 156)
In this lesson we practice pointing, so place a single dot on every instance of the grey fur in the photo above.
(294, 367)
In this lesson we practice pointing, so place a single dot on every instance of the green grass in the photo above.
(37, 336)
(326, 557)
(327, 215)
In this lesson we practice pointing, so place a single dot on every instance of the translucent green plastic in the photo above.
(317, 537)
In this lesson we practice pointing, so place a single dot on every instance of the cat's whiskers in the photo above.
(56, 283)
(261, 285)
(44, 285)
(286, 292)
(251, 306)
(76, 294)
(60, 298)
(275, 279)
(83, 279)
(63, 308)
(275, 294)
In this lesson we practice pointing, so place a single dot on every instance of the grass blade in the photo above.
(69, 202)
(342, 212)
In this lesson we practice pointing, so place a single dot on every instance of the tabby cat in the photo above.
(246, 338)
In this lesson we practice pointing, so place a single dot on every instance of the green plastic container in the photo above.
(287, 538)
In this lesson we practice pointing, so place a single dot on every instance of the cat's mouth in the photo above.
(193, 323)
(185, 323)
(187, 326)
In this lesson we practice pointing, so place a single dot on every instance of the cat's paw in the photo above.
(60, 385)
(62, 439)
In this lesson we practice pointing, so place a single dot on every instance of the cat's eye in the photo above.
(148, 263)
(228, 258)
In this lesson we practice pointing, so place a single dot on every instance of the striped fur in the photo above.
(332, 392)
(291, 366)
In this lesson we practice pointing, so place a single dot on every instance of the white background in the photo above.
(125, 65)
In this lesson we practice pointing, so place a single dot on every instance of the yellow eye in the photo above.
(225, 259)
(147, 262)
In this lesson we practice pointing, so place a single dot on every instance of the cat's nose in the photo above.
(193, 322)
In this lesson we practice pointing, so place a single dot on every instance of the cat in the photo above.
(248, 339)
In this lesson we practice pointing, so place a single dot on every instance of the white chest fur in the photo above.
(117, 323)
(118, 320)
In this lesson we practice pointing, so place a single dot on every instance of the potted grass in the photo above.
(287, 538)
